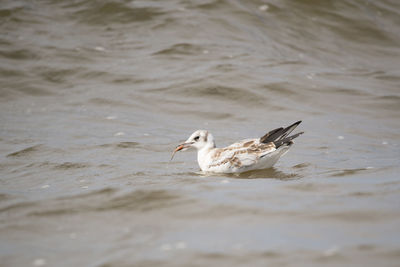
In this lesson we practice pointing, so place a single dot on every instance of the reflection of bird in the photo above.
(245, 155)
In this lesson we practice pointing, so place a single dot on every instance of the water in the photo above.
(95, 95)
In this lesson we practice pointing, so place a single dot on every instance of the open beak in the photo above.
(181, 147)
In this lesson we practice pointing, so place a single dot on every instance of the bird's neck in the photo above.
(203, 156)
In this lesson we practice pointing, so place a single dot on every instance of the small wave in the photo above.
(71, 165)
(305, 165)
(281, 88)
(388, 77)
(394, 98)
(99, 101)
(56, 75)
(348, 172)
(355, 216)
(312, 187)
(128, 145)
(269, 173)
(105, 200)
(107, 12)
(26, 151)
(29, 89)
(4, 197)
(123, 145)
(347, 91)
(181, 49)
(19, 54)
(210, 5)
(17, 206)
(142, 200)
(206, 114)
(11, 73)
(227, 93)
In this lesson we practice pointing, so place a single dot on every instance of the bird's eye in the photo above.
(196, 138)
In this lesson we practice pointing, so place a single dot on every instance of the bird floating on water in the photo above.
(245, 155)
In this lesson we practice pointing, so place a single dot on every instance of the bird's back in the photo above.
(240, 156)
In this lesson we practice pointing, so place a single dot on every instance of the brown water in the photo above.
(95, 95)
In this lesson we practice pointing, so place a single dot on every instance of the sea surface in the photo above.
(95, 96)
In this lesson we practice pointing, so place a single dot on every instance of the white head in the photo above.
(200, 139)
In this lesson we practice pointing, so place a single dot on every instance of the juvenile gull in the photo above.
(245, 155)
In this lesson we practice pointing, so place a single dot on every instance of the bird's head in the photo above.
(199, 139)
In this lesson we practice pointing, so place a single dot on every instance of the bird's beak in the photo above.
(182, 146)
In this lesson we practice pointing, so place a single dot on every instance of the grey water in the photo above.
(95, 95)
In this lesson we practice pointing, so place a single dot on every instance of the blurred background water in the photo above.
(95, 95)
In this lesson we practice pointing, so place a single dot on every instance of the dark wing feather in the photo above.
(286, 140)
(289, 129)
(271, 136)
(279, 134)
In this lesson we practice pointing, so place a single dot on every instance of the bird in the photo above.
(245, 155)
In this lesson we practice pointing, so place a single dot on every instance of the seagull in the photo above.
(242, 156)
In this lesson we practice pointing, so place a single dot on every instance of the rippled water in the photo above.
(95, 95)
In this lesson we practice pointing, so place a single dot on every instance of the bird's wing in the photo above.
(241, 154)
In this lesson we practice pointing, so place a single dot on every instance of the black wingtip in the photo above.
(279, 133)
(294, 125)
(286, 140)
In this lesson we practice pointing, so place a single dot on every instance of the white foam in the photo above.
(99, 48)
(39, 262)
(72, 235)
(331, 251)
(180, 245)
(166, 247)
